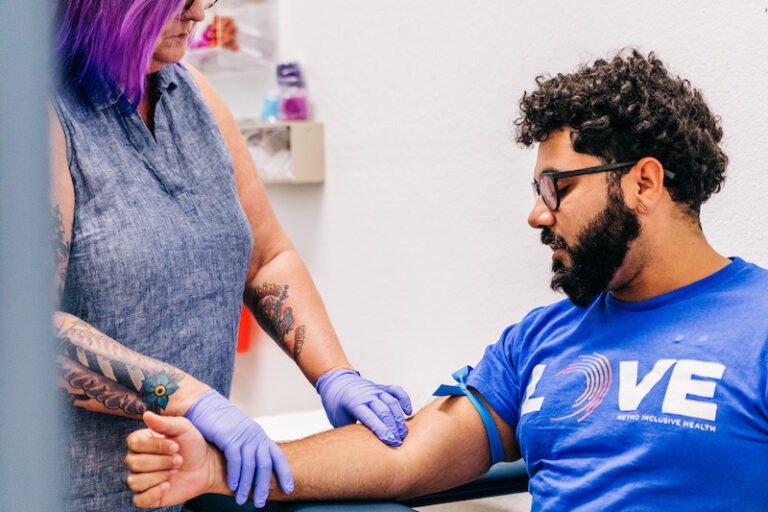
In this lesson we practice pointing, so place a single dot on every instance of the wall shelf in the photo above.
(287, 152)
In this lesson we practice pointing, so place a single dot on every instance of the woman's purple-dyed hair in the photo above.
(104, 45)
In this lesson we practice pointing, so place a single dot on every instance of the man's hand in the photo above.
(347, 398)
(171, 463)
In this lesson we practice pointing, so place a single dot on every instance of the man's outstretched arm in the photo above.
(446, 446)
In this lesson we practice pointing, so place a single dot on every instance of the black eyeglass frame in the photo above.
(188, 5)
(556, 175)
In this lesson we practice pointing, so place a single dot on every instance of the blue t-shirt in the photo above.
(653, 405)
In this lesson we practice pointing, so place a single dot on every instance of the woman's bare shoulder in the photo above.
(211, 97)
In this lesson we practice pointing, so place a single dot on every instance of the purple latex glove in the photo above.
(245, 445)
(347, 397)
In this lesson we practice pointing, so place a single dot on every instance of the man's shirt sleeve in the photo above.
(495, 377)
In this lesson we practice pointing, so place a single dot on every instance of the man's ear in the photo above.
(643, 185)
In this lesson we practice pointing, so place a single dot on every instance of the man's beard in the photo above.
(598, 253)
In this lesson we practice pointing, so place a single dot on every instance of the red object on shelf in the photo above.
(246, 330)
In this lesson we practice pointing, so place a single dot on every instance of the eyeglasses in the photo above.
(547, 188)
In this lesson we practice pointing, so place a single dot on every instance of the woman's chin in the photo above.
(171, 52)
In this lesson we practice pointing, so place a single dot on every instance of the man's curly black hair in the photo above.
(627, 109)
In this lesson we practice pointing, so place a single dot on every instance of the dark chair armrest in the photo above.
(217, 503)
(503, 478)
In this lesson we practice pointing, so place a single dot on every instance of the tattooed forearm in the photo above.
(98, 368)
(273, 315)
(298, 341)
(82, 335)
(127, 375)
(61, 246)
(84, 385)
(276, 317)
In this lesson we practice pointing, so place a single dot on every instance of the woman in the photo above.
(163, 230)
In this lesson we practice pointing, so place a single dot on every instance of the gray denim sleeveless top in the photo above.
(158, 260)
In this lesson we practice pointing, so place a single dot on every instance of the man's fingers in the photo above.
(153, 497)
(263, 474)
(147, 441)
(402, 397)
(397, 413)
(147, 462)
(375, 425)
(167, 425)
(140, 482)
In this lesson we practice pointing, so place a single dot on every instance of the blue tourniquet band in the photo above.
(494, 439)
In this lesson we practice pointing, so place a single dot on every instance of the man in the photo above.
(647, 390)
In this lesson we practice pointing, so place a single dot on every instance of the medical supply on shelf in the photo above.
(270, 108)
(293, 94)
(220, 32)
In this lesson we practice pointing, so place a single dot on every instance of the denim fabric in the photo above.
(159, 256)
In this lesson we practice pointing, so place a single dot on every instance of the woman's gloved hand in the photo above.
(347, 397)
(245, 445)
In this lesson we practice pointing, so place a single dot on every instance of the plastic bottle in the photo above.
(293, 94)
(270, 108)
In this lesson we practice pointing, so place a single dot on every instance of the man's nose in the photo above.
(540, 215)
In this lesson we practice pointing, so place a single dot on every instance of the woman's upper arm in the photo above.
(269, 238)
(62, 203)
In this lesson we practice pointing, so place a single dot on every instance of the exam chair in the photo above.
(503, 478)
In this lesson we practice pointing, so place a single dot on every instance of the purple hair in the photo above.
(105, 46)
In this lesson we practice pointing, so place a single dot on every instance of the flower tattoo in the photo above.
(155, 391)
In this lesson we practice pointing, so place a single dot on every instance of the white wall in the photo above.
(418, 240)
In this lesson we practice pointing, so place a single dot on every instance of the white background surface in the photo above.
(418, 240)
